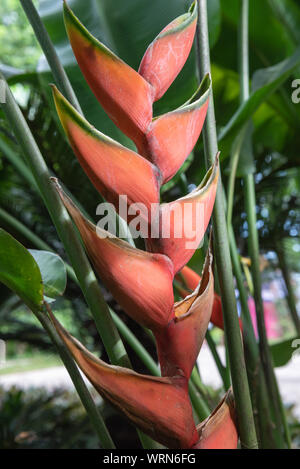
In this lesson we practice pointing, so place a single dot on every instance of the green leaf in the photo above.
(214, 17)
(53, 272)
(264, 83)
(283, 351)
(19, 271)
(270, 43)
(288, 13)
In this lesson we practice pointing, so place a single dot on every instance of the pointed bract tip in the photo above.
(159, 406)
(219, 430)
(179, 344)
(166, 55)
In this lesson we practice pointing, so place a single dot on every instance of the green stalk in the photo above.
(288, 284)
(67, 233)
(234, 160)
(219, 364)
(57, 69)
(196, 378)
(198, 402)
(23, 230)
(136, 345)
(17, 162)
(80, 386)
(221, 247)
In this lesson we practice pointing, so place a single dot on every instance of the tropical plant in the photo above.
(150, 156)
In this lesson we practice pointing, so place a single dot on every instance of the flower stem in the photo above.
(219, 364)
(221, 246)
(56, 67)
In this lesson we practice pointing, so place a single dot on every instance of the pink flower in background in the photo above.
(271, 318)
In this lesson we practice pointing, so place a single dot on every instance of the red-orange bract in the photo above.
(219, 430)
(179, 343)
(188, 280)
(142, 281)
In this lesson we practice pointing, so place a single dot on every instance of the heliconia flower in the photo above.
(140, 281)
(184, 221)
(158, 406)
(124, 94)
(179, 343)
(172, 136)
(127, 96)
(113, 169)
(219, 430)
(167, 54)
(189, 279)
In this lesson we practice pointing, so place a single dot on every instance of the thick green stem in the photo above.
(80, 386)
(221, 247)
(42, 36)
(136, 345)
(288, 284)
(198, 402)
(67, 233)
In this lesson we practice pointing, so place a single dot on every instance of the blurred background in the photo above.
(38, 408)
